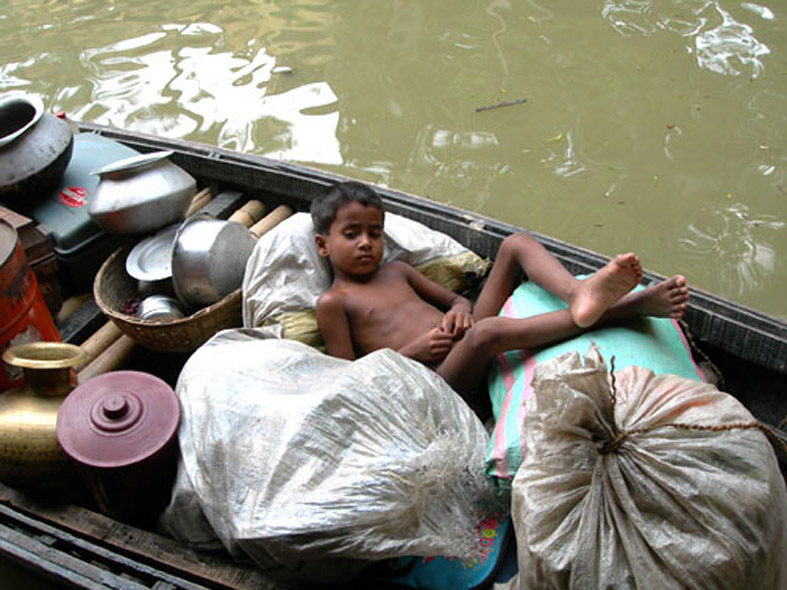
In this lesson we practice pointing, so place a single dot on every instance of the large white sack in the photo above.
(294, 455)
(691, 497)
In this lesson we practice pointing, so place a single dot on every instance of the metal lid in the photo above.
(118, 419)
(151, 258)
(133, 163)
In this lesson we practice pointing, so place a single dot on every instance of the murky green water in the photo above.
(654, 126)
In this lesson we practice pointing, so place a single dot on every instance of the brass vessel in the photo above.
(30, 456)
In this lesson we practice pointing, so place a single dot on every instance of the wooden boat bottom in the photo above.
(77, 547)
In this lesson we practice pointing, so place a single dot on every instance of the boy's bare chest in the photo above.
(383, 305)
(379, 301)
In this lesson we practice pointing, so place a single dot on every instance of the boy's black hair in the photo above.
(326, 204)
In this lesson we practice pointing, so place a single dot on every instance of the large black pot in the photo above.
(35, 148)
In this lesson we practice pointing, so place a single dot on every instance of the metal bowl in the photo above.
(140, 194)
(160, 307)
(209, 258)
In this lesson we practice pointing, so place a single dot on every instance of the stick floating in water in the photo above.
(501, 104)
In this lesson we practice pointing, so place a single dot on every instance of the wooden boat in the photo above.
(71, 545)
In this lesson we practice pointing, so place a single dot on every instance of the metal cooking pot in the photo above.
(141, 194)
(209, 255)
(209, 258)
(160, 307)
(35, 148)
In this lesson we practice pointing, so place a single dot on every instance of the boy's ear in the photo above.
(322, 247)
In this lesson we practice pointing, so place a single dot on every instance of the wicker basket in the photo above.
(113, 287)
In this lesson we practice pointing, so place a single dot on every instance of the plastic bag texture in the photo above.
(667, 487)
(295, 456)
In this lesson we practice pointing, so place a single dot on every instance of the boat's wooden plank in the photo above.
(214, 570)
(59, 566)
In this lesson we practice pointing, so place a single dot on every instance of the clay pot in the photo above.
(35, 148)
(30, 456)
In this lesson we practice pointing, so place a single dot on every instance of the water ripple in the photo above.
(742, 245)
(720, 43)
(721, 49)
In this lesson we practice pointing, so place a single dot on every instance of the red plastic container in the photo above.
(24, 316)
(121, 429)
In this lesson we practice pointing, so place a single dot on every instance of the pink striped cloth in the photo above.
(657, 344)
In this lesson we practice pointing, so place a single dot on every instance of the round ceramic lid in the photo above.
(118, 419)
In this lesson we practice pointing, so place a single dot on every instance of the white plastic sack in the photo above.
(295, 456)
(671, 507)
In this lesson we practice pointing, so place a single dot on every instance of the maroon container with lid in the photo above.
(121, 429)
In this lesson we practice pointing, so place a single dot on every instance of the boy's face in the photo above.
(354, 244)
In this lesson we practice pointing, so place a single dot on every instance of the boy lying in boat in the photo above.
(371, 306)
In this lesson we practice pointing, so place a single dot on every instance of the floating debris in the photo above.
(506, 103)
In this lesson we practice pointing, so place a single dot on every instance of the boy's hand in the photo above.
(431, 348)
(457, 321)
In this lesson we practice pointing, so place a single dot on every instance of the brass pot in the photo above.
(30, 456)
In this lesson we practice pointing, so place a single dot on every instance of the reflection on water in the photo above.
(648, 125)
(742, 242)
(136, 81)
(719, 49)
(721, 44)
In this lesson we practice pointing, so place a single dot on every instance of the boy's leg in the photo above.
(522, 253)
(588, 299)
(465, 367)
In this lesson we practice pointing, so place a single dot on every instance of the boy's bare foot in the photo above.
(595, 294)
(666, 299)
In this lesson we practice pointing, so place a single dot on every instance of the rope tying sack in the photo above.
(622, 435)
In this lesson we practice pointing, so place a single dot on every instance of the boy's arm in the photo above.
(335, 326)
(458, 310)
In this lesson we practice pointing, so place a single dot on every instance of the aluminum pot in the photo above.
(35, 149)
(160, 307)
(209, 258)
(141, 194)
